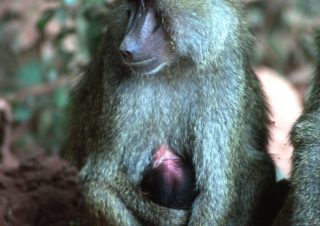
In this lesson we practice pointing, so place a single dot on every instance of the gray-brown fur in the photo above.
(302, 207)
(206, 104)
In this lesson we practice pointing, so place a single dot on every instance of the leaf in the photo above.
(30, 74)
(70, 2)
(61, 98)
(21, 113)
(44, 20)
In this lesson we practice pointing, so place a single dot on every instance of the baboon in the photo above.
(302, 206)
(170, 180)
(173, 73)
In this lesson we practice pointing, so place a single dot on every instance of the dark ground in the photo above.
(41, 191)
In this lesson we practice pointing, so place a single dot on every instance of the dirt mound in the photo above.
(42, 191)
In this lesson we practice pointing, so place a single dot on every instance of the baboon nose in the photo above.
(129, 48)
(126, 54)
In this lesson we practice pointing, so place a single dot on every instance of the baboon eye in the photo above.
(159, 21)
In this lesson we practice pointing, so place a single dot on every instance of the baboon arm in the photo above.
(211, 205)
(145, 209)
(106, 207)
(120, 202)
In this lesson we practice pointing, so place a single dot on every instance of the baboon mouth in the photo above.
(139, 63)
(147, 67)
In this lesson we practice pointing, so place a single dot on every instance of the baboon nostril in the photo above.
(126, 54)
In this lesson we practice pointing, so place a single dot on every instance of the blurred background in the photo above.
(44, 46)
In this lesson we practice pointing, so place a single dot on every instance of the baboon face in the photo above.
(152, 35)
(146, 47)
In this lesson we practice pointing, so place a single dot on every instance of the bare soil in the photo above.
(42, 191)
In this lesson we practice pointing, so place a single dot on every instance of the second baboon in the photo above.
(302, 207)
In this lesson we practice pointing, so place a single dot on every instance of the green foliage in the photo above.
(30, 74)
(59, 43)
(309, 7)
(45, 18)
(22, 113)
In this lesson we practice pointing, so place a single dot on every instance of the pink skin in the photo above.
(286, 106)
(169, 164)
